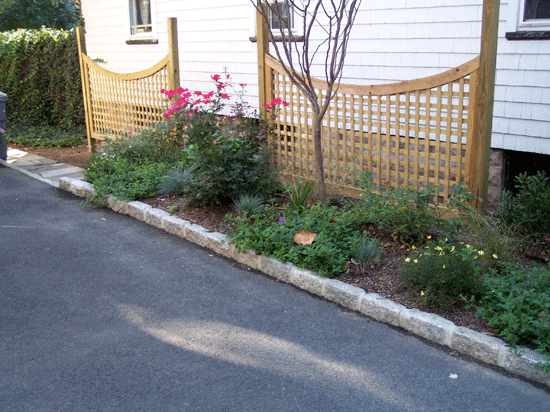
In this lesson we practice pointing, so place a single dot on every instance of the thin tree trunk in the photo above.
(317, 144)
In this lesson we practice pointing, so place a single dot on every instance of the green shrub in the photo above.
(210, 158)
(489, 233)
(408, 213)
(529, 212)
(516, 302)
(442, 272)
(132, 168)
(272, 233)
(40, 73)
(227, 167)
(123, 179)
(225, 155)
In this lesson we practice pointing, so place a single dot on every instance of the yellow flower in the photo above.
(408, 260)
(481, 252)
(415, 261)
(428, 237)
(495, 256)
(443, 266)
(422, 293)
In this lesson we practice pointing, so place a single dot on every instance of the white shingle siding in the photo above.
(391, 41)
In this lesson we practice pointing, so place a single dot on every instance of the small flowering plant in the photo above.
(226, 150)
(201, 115)
(443, 271)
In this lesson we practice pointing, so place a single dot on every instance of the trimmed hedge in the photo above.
(40, 73)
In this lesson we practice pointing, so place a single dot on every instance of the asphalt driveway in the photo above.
(99, 312)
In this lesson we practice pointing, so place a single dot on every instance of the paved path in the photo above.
(46, 169)
(99, 312)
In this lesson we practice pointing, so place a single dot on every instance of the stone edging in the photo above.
(432, 327)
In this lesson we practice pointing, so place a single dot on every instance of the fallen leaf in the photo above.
(453, 376)
(304, 238)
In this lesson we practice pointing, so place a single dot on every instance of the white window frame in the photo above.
(291, 16)
(295, 31)
(153, 34)
(531, 24)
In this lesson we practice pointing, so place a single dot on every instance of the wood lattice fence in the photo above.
(416, 133)
(117, 104)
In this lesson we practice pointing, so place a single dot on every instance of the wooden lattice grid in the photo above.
(124, 104)
(415, 134)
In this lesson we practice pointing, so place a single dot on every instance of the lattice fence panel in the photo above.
(411, 134)
(123, 104)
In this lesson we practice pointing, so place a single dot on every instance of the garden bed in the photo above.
(382, 277)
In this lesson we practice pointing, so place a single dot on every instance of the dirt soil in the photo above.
(381, 277)
(76, 156)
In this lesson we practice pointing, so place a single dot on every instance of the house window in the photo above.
(534, 15)
(281, 16)
(140, 17)
(536, 9)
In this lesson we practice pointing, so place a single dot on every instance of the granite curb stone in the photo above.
(434, 328)
(344, 294)
(308, 280)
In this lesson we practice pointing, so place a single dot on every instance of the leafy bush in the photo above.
(40, 73)
(335, 229)
(489, 233)
(516, 302)
(442, 272)
(225, 155)
(209, 158)
(529, 212)
(45, 136)
(408, 213)
(124, 179)
(227, 167)
(131, 168)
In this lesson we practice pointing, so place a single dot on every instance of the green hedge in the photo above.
(40, 73)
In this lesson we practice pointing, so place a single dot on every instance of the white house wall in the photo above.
(391, 41)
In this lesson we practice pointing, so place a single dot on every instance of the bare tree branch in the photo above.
(335, 18)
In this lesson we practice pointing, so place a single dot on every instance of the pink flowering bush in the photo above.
(226, 155)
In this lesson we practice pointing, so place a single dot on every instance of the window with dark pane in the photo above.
(536, 9)
(280, 16)
(140, 17)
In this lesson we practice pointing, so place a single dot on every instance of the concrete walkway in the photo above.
(47, 170)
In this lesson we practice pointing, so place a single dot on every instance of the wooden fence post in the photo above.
(262, 38)
(173, 51)
(481, 147)
(80, 38)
